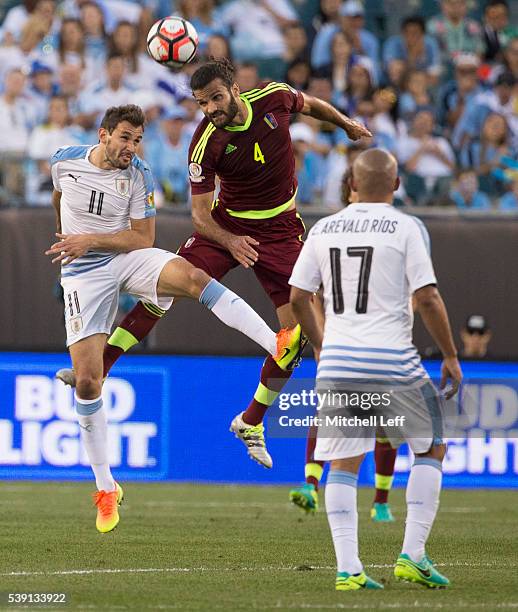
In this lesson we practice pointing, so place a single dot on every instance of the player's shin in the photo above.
(342, 514)
(131, 330)
(313, 469)
(384, 459)
(273, 379)
(94, 435)
(236, 313)
(422, 498)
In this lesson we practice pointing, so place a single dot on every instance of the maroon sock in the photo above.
(311, 442)
(138, 322)
(385, 459)
(272, 377)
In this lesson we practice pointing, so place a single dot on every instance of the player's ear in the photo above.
(352, 183)
(103, 134)
(235, 90)
(397, 184)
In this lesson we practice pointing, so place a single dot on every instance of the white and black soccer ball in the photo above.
(172, 41)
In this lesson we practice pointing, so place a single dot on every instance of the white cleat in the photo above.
(252, 437)
(67, 375)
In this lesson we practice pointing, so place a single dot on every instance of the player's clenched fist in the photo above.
(69, 247)
(242, 250)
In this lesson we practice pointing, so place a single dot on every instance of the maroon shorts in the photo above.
(278, 251)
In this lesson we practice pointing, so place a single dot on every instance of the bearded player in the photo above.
(244, 141)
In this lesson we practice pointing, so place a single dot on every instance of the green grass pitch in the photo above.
(198, 547)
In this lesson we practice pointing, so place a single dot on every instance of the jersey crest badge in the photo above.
(76, 324)
(230, 149)
(122, 185)
(195, 171)
(271, 120)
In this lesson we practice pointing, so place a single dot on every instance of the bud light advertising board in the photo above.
(169, 417)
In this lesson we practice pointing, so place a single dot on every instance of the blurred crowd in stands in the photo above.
(436, 81)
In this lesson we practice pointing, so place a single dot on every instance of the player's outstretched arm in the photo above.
(56, 202)
(319, 109)
(71, 246)
(431, 307)
(241, 247)
(302, 303)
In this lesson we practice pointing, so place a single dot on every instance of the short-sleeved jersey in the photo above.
(370, 259)
(254, 162)
(97, 201)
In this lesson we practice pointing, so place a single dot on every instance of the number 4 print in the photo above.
(363, 282)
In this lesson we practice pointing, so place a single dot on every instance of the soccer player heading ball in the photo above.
(244, 140)
(103, 196)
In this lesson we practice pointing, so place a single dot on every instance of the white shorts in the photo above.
(91, 298)
(423, 424)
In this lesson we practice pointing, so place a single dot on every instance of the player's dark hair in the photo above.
(414, 20)
(117, 114)
(222, 69)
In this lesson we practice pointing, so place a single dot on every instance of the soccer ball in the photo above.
(172, 41)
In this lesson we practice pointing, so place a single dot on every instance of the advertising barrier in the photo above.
(169, 419)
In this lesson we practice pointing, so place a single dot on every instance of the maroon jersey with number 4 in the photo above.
(254, 162)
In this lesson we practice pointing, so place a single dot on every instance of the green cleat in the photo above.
(381, 513)
(423, 572)
(305, 497)
(355, 582)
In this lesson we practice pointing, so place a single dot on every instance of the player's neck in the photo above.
(98, 158)
(366, 198)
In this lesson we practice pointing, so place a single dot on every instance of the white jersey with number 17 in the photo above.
(370, 258)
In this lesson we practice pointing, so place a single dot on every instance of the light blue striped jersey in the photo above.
(370, 258)
(94, 200)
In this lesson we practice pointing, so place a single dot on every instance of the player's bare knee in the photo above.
(198, 280)
(351, 464)
(88, 386)
(437, 451)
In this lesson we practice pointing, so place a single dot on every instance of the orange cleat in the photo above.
(290, 344)
(107, 508)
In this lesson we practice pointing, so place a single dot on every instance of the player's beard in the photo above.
(226, 117)
(116, 161)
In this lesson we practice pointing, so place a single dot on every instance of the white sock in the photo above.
(236, 313)
(94, 434)
(422, 499)
(342, 514)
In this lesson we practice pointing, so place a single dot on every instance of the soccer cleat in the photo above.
(290, 344)
(381, 513)
(355, 582)
(305, 497)
(252, 437)
(423, 572)
(107, 508)
(67, 375)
